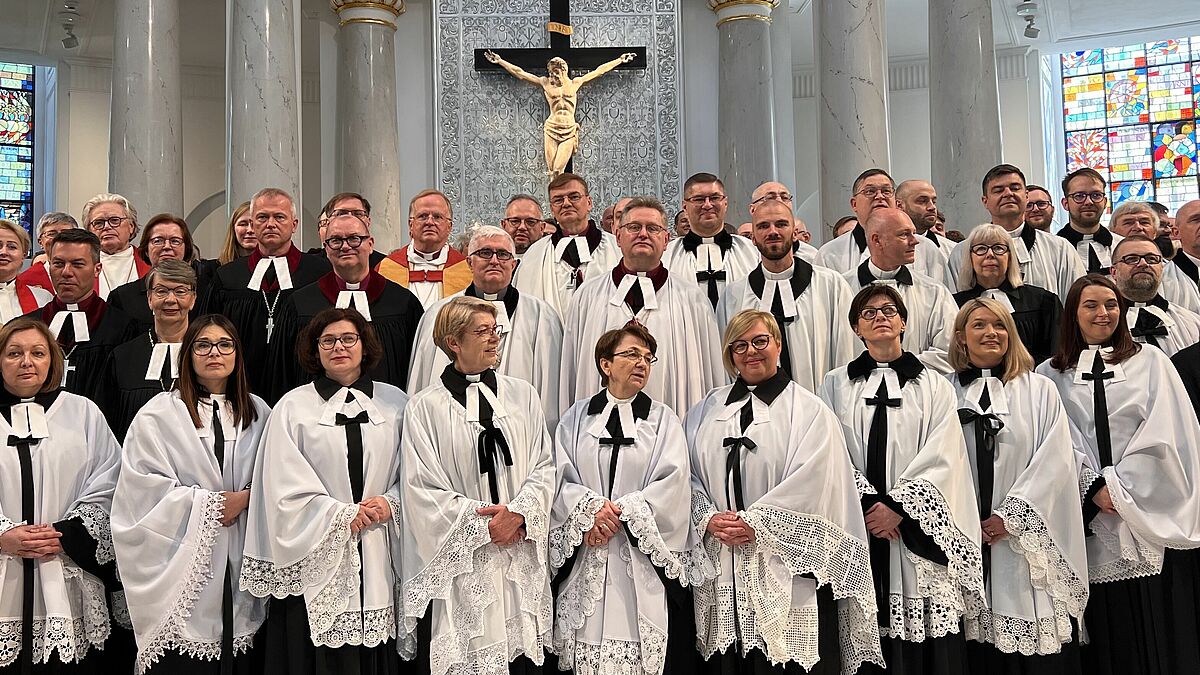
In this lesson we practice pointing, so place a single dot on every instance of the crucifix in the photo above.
(560, 132)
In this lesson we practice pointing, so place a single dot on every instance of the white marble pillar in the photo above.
(746, 106)
(964, 107)
(145, 162)
(852, 116)
(261, 82)
(368, 136)
(785, 107)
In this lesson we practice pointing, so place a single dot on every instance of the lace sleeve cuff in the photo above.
(863, 485)
(261, 578)
(95, 521)
(1048, 568)
(703, 509)
(456, 557)
(922, 501)
(535, 512)
(565, 538)
(636, 514)
(1087, 478)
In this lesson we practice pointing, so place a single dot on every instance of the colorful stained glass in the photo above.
(1125, 94)
(1083, 102)
(16, 76)
(16, 172)
(1137, 190)
(1175, 192)
(1129, 153)
(1083, 63)
(1120, 58)
(1087, 149)
(18, 213)
(16, 117)
(1170, 92)
(1175, 149)
(1167, 51)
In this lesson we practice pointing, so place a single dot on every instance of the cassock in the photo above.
(1095, 250)
(931, 310)
(941, 245)
(810, 305)
(470, 442)
(250, 291)
(1135, 433)
(88, 332)
(1162, 324)
(846, 252)
(118, 269)
(18, 297)
(131, 297)
(138, 370)
(1019, 446)
(1047, 261)
(1180, 281)
(531, 337)
(1036, 311)
(430, 277)
(390, 308)
(624, 604)
(336, 593)
(801, 592)
(554, 267)
(675, 312)
(179, 565)
(59, 466)
(901, 426)
(714, 262)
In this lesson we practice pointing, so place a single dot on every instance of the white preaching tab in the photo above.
(282, 273)
(29, 420)
(1087, 361)
(1000, 297)
(649, 298)
(474, 391)
(710, 254)
(163, 350)
(353, 299)
(581, 248)
(78, 322)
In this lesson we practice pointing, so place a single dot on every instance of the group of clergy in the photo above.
(604, 452)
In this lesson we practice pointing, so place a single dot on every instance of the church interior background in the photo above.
(156, 99)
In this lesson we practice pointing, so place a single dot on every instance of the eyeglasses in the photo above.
(1039, 205)
(328, 342)
(636, 356)
(435, 217)
(110, 223)
(1081, 197)
(650, 228)
(870, 313)
(160, 241)
(336, 243)
(699, 200)
(527, 222)
(488, 254)
(180, 292)
(759, 342)
(486, 332)
(204, 347)
(1133, 259)
(780, 196)
(873, 191)
(279, 217)
(574, 197)
(357, 213)
(983, 249)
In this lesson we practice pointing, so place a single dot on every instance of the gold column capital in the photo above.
(737, 10)
(379, 12)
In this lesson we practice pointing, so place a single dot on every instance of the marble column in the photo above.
(368, 136)
(785, 106)
(852, 105)
(746, 106)
(964, 107)
(262, 83)
(145, 162)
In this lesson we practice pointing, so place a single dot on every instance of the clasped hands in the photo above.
(505, 527)
(729, 528)
(605, 525)
(371, 512)
(38, 542)
(883, 522)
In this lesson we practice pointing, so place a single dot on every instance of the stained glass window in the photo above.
(16, 142)
(1130, 113)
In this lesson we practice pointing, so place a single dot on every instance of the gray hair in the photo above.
(487, 232)
(172, 271)
(110, 198)
(985, 234)
(269, 192)
(53, 218)
(1128, 207)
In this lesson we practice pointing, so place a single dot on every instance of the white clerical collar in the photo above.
(352, 298)
(990, 378)
(29, 420)
(78, 323)
(649, 295)
(599, 426)
(879, 273)
(158, 357)
(124, 254)
(283, 273)
(476, 389)
(780, 276)
(1087, 361)
(438, 258)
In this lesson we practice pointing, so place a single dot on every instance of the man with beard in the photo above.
(523, 222)
(1085, 198)
(808, 302)
(918, 199)
(1039, 208)
(1137, 271)
(775, 191)
(1132, 218)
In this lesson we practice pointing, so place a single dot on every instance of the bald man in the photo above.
(892, 245)
(1184, 270)
(918, 199)
(773, 191)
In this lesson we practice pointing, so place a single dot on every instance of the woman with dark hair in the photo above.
(239, 237)
(773, 494)
(165, 237)
(57, 473)
(1019, 445)
(178, 512)
(324, 526)
(1137, 438)
(901, 426)
(622, 475)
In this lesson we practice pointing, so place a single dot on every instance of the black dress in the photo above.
(127, 388)
(1036, 311)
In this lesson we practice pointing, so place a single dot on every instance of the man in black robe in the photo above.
(391, 308)
(343, 204)
(250, 291)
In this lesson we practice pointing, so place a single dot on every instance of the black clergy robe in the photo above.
(127, 388)
(86, 362)
(394, 313)
(255, 312)
(131, 297)
(1036, 311)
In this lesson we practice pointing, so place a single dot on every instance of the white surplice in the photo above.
(171, 547)
(1178, 287)
(849, 250)
(1182, 325)
(736, 263)
(931, 311)
(543, 274)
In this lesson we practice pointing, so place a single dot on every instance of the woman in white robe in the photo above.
(1137, 440)
(477, 490)
(914, 479)
(57, 473)
(1019, 445)
(324, 530)
(773, 494)
(178, 523)
(623, 607)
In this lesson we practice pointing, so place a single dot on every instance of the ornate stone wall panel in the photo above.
(489, 125)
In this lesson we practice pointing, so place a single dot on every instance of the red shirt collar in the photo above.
(331, 285)
(658, 275)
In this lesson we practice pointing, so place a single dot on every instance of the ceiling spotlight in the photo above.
(1027, 9)
(1031, 31)
(70, 41)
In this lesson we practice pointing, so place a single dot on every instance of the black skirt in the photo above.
(1148, 625)
(985, 659)
(946, 655)
(174, 663)
(90, 665)
(755, 662)
(289, 649)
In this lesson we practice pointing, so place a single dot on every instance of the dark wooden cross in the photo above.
(534, 60)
